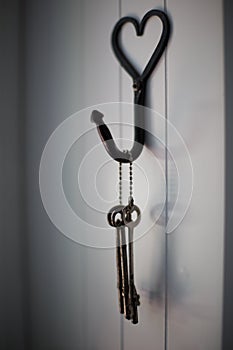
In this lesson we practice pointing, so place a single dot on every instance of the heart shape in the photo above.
(139, 27)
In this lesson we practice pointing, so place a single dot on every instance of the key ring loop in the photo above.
(113, 220)
(127, 215)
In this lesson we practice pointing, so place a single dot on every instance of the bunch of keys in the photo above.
(122, 217)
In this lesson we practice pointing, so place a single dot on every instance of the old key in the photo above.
(115, 219)
(132, 222)
(121, 217)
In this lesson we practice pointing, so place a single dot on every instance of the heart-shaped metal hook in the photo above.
(139, 86)
(139, 27)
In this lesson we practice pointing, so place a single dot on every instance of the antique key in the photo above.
(120, 217)
(130, 223)
(117, 224)
(115, 219)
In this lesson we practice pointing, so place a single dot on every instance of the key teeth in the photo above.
(128, 312)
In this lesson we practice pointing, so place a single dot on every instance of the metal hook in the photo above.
(139, 86)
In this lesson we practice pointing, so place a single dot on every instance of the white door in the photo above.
(70, 67)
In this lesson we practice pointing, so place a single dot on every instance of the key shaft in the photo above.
(119, 271)
(131, 224)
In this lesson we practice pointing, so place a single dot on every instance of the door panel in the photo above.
(72, 287)
(196, 109)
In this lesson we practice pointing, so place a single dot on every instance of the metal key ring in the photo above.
(117, 209)
(130, 210)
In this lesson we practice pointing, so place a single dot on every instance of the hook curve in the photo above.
(110, 145)
(139, 85)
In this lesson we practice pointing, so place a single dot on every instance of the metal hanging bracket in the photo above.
(139, 86)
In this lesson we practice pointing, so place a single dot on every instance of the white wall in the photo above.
(69, 306)
(70, 66)
(196, 108)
